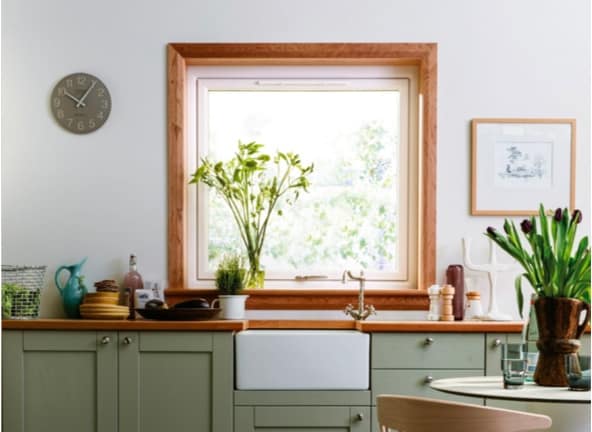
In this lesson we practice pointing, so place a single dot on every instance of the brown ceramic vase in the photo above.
(559, 333)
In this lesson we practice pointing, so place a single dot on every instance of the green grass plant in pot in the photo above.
(252, 184)
(559, 272)
(230, 278)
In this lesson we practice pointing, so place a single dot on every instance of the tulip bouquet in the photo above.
(550, 264)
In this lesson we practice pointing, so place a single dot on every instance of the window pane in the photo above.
(350, 217)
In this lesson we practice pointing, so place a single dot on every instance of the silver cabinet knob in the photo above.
(429, 341)
(428, 379)
(359, 417)
(497, 342)
(105, 340)
(127, 340)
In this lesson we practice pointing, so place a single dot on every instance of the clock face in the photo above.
(80, 103)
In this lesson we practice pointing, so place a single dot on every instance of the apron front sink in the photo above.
(302, 360)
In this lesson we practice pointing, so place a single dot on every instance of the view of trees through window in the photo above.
(350, 217)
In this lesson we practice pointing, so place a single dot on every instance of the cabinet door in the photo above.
(59, 381)
(302, 418)
(178, 380)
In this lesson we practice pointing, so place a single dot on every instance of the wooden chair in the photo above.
(415, 414)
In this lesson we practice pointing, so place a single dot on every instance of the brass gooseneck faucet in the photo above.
(362, 312)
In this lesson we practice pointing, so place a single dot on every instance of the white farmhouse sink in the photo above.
(302, 360)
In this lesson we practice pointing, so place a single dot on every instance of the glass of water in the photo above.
(577, 369)
(514, 371)
(513, 365)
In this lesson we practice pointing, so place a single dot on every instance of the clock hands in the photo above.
(81, 101)
(75, 99)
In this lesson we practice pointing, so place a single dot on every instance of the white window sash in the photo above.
(202, 79)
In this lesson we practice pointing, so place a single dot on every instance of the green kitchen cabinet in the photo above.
(117, 381)
(302, 410)
(302, 419)
(406, 363)
(59, 381)
(180, 379)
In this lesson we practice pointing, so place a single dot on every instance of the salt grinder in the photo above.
(434, 293)
(473, 309)
(447, 293)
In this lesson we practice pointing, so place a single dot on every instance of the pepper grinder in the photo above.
(434, 293)
(447, 293)
(455, 277)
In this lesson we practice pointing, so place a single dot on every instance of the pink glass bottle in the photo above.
(131, 282)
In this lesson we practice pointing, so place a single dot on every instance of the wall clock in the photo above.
(80, 103)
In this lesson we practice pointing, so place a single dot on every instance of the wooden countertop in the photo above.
(441, 326)
(82, 324)
(238, 325)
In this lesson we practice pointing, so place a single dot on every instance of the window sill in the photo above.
(314, 299)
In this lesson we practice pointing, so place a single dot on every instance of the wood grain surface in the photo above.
(181, 55)
(314, 299)
(221, 325)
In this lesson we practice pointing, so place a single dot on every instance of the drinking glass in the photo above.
(577, 369)
(511, 351)
(513, 364)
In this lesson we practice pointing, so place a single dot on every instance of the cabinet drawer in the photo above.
(427, 350)
(416, 383)
(326, 418)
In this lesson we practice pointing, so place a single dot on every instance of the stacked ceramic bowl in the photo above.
(103, 305)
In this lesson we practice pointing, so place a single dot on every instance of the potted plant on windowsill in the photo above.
(560, 277)
(252, 193)
(230, 276)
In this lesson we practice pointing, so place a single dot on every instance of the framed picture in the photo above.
(517, 164)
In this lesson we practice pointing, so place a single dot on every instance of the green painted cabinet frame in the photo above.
(78, 381)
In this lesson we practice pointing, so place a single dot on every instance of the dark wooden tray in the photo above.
(179, 314)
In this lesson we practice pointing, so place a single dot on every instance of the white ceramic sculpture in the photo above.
(491, 268)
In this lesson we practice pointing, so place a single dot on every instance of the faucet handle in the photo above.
(349, 309)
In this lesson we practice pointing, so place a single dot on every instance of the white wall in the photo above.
(104, 195)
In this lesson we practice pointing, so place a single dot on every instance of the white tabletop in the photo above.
(493, 388)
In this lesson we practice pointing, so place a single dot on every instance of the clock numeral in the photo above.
(105, 104)
(81, 80)
(61, 91)
(100, 115)
(80, 125)
(60, 113)
(101, 92)
(69, 121)
(57, 102)
(69, 83)
(92, 124)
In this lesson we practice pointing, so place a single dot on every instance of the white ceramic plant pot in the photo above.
(232, 306)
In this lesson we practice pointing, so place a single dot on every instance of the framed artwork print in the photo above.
(517, 164)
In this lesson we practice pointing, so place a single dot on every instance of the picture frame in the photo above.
(517, 164)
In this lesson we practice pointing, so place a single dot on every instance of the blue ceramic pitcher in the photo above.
(73, 291)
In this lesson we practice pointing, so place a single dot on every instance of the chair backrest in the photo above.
(415, 414)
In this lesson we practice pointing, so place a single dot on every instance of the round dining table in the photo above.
(567, 408)
(492, 387)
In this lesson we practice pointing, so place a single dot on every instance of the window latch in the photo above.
(302, 278)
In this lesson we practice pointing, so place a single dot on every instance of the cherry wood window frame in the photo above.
(182, 55)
